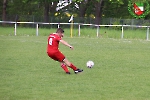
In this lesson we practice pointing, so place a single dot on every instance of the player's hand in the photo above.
(71, 47)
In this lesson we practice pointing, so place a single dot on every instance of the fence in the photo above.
(79, 27)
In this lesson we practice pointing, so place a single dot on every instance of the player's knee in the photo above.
(67, 62)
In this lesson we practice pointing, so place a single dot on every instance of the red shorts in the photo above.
(58, 56)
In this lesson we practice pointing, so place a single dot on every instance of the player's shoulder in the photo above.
(52, 35)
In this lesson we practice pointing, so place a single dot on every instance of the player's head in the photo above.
(60, 31)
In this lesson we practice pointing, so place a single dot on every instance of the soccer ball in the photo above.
(90, 64)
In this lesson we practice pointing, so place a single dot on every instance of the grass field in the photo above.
(111, 32)
(121, 71)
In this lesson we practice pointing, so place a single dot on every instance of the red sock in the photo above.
(64, 67)
(73, 67)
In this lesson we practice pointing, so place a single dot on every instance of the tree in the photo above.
(48, 6)
(4, 10)
(115, 9)
(82, 9)
(98, 11)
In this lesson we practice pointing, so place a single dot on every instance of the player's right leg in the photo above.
(69, 64)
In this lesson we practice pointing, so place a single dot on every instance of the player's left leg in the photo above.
(69, 64)
(64, 67)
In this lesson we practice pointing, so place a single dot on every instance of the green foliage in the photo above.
(116, 9)
(1, 6)
(110, 8)
(19, 7)
(46, 1)
(91, 8)
(116, 1)
(139, 0)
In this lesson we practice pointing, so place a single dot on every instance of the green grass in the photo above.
(111, 32)
(121, 70)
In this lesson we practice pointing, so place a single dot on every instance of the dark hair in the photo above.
(60, 30)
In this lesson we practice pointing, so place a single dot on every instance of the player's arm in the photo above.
(67, 44)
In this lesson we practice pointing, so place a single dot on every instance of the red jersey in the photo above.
(53, 42)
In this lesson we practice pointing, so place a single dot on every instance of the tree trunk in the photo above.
(52, 10)
(98, 12)
(46, 12)
(82, 12)
(4, 11)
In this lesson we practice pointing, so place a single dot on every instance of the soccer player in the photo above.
(54, 53)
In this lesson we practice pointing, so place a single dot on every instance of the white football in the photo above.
(90, 64)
